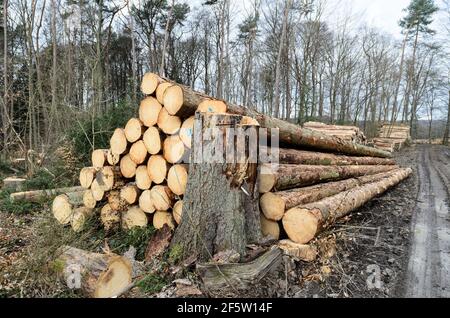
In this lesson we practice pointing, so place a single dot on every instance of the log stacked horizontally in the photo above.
(142, 178)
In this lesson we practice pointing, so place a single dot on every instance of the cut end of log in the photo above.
(272, 206)
(162, 198)
(143, 180)
(110, 218)
(212, 106)
(160, 90)
(149, 83)
(62, 209)
(134, 217)
(178, 211)
(87, 176)
(98, 191)
(152, 140)
(133, 130)
(300, 252)
(173, 149)
(169, 124)
(146, 203)
(267, 180)
(269, 228)
(89, 200)
(157, 169)
(173, 99)
(118, 141)
(300, 225)
(79, 218)
(149, 111)
(115, 279)
(99, 158)
(138, 152)
(177, 179)
(128, 167)
(187, 131)
(112, 158)
(129, 194)
(162, 218)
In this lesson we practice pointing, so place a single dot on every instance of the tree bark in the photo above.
(303, 223)
(447, 126)
(283, 177)
(213, 222)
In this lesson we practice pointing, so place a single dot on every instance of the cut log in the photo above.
(183, 101)
(102, 275)
(152, 140)
(230, 187)
(149, 111)
(177, 179)
(274, 205)
(173, 149)
(133, 218)
(63, 204)
(79, 217)
(162, 198)
(13, 183)
(157, 168)
(178, 211)
(130, 193)
(138, 152)
(150, 82)
(143, 180)
(269, 228)
(186, 131)
(97, 191)
(112, 158)
(169, 124)
(109, 178)
(304, 222)
(87, 176)
(99, 158)
(41, 195)
(301, 157)
(110, 217)
(118, 142)
(146, 203)
(116, 202)
(134, 130)
(161, 218)
(300, 252)
(212, 106)
(283, 177)
(160, 90)
(128, 167)
(89, 200)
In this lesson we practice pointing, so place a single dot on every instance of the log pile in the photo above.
(143, 178)
(349, 133)
(392, 137)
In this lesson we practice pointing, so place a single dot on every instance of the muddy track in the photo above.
(428, 272)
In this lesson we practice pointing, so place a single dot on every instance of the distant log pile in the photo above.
(392, 137)
(143, 178)
(349, 133)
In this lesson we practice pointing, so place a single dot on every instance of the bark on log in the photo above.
(184, 102)
(275, 204)
(304, 222)
(63, 204)
(219, 222)
(292, 156)
(283, 177)
(149, 110)
(99, 275)
(40, 195)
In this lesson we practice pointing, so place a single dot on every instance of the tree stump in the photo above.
(220, 207)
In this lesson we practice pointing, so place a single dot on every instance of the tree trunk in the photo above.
(283, 177)
(303, 223)
(98, 275)
(213, 222)
(447, 126)
(275, 204)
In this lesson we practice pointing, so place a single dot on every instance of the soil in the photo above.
(397, 245)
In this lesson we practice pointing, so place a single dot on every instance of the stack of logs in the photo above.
(392, 137)
(349, 133)
(141, 178)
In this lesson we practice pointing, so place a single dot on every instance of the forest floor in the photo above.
(397, 245)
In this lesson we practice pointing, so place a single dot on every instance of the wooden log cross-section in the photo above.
(304, 222)
(213, 222)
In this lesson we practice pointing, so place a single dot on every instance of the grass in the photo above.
(137, 237)
(151, 284)
(19, 207)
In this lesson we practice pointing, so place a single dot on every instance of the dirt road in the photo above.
(428, 272)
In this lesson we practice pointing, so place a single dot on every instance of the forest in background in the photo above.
(71, 69)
